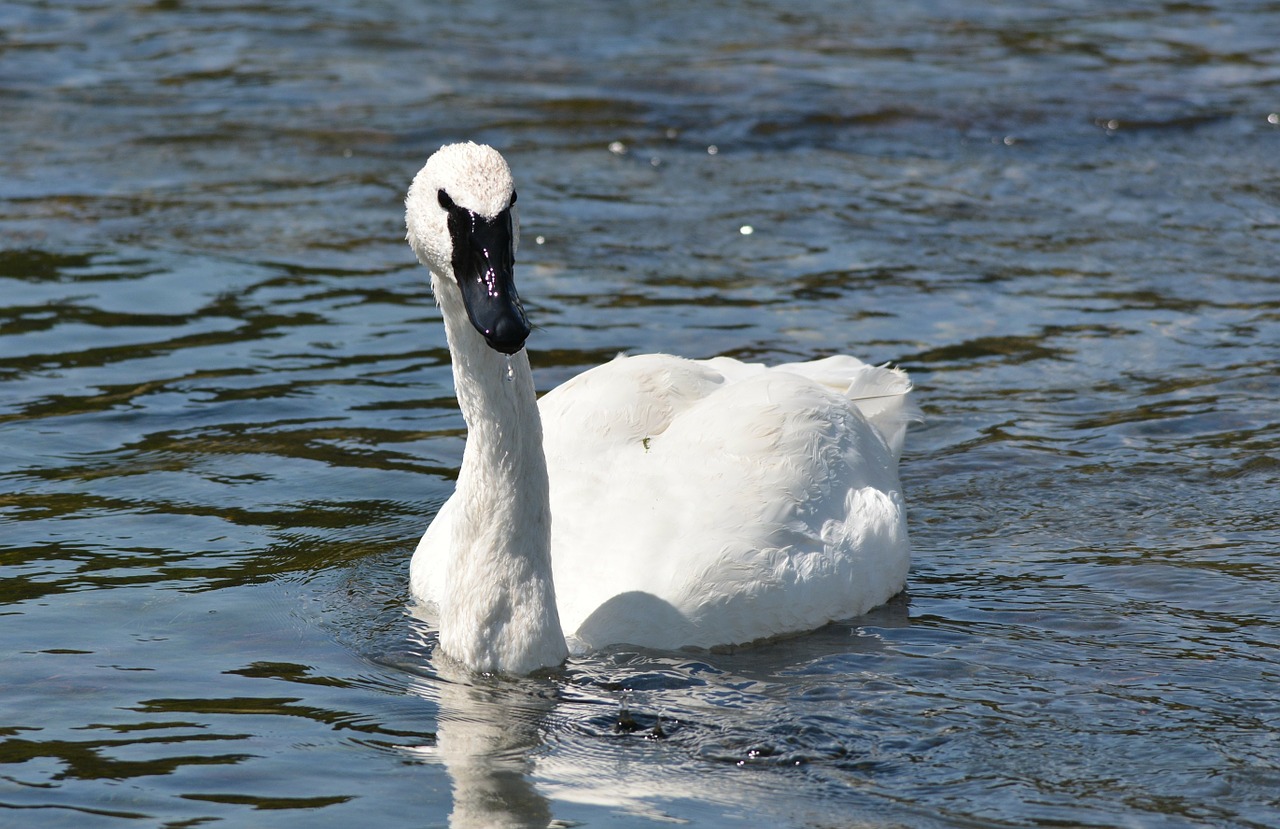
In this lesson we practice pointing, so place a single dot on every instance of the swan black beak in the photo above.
(484, 268)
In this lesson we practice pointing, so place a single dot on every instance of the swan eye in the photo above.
(445, 201)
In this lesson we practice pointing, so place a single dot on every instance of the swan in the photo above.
(679, 503)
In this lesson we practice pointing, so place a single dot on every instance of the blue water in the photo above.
(226, 411)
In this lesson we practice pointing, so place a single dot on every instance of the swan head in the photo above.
(462, 225)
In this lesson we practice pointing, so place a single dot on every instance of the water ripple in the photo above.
(226, 409)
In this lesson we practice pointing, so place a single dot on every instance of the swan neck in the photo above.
(499, 612)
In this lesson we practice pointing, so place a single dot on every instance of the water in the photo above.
(226, 409)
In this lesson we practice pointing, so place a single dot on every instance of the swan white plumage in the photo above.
(679, 502)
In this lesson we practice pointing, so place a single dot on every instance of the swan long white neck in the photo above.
(499, 613)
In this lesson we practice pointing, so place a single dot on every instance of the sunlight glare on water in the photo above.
(227, 413)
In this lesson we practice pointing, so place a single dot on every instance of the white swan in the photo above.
(679, 502)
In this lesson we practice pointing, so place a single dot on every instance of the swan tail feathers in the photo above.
(883, 395)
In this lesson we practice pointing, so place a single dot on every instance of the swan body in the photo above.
(678, 502)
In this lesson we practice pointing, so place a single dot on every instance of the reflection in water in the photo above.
(632, 732)
(488, 729)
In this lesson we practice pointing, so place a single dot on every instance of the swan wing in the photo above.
(716, 502)
(622, 402)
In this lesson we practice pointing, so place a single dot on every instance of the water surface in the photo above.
(226, 411)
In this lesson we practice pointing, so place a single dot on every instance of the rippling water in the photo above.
(226, 410)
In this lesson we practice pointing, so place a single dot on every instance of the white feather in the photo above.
(690, 503)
